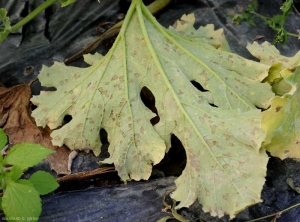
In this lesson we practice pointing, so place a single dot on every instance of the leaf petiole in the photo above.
(277, 214)
(33, 14)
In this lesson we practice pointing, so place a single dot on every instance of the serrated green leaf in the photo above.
(277, 21)
(245, 16)
(221, 143)
(251, 7)
(4, 31)
(4, 18)
(21, 200)
(65, 3)
(15, 173)
(287, 7)
(3, 138)
(26, 155)
(43, 182)
(281, 36)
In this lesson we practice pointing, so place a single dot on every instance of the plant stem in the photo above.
(275, 214)
(154, 7)
(33, 14)
(274, 28)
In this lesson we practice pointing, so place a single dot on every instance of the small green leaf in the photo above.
(3, 138)
(64, 3)
(21, 200)
(277, 21)
(15, 173)
(287, 7)
(4, 32)
(43, 182)
(280, 37)
(252, 6)
(4, 18)
(246, 15)
(26, 155)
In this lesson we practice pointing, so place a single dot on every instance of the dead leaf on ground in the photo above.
(291, 183)
(85, 175)
(20, 127)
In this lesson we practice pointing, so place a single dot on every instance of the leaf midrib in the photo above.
(153, 53)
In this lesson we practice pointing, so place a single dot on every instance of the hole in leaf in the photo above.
(67, 119)
(262, 109)
(213, 105)
(105, 144)
(269, 181)
(103, 136)
(33, 107)
(198, 86)
(148, 99)
(52, 89)
(174, 161)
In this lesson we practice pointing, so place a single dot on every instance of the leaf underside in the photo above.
(221, 143)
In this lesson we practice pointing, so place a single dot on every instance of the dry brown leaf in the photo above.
(85, 175)
(20, 127)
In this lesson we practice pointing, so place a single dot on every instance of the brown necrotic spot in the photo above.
(28, 70)
(278, 108)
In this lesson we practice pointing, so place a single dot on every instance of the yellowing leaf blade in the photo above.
(281, 122)
(107, 95)
(207, 34)
(281, 66)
